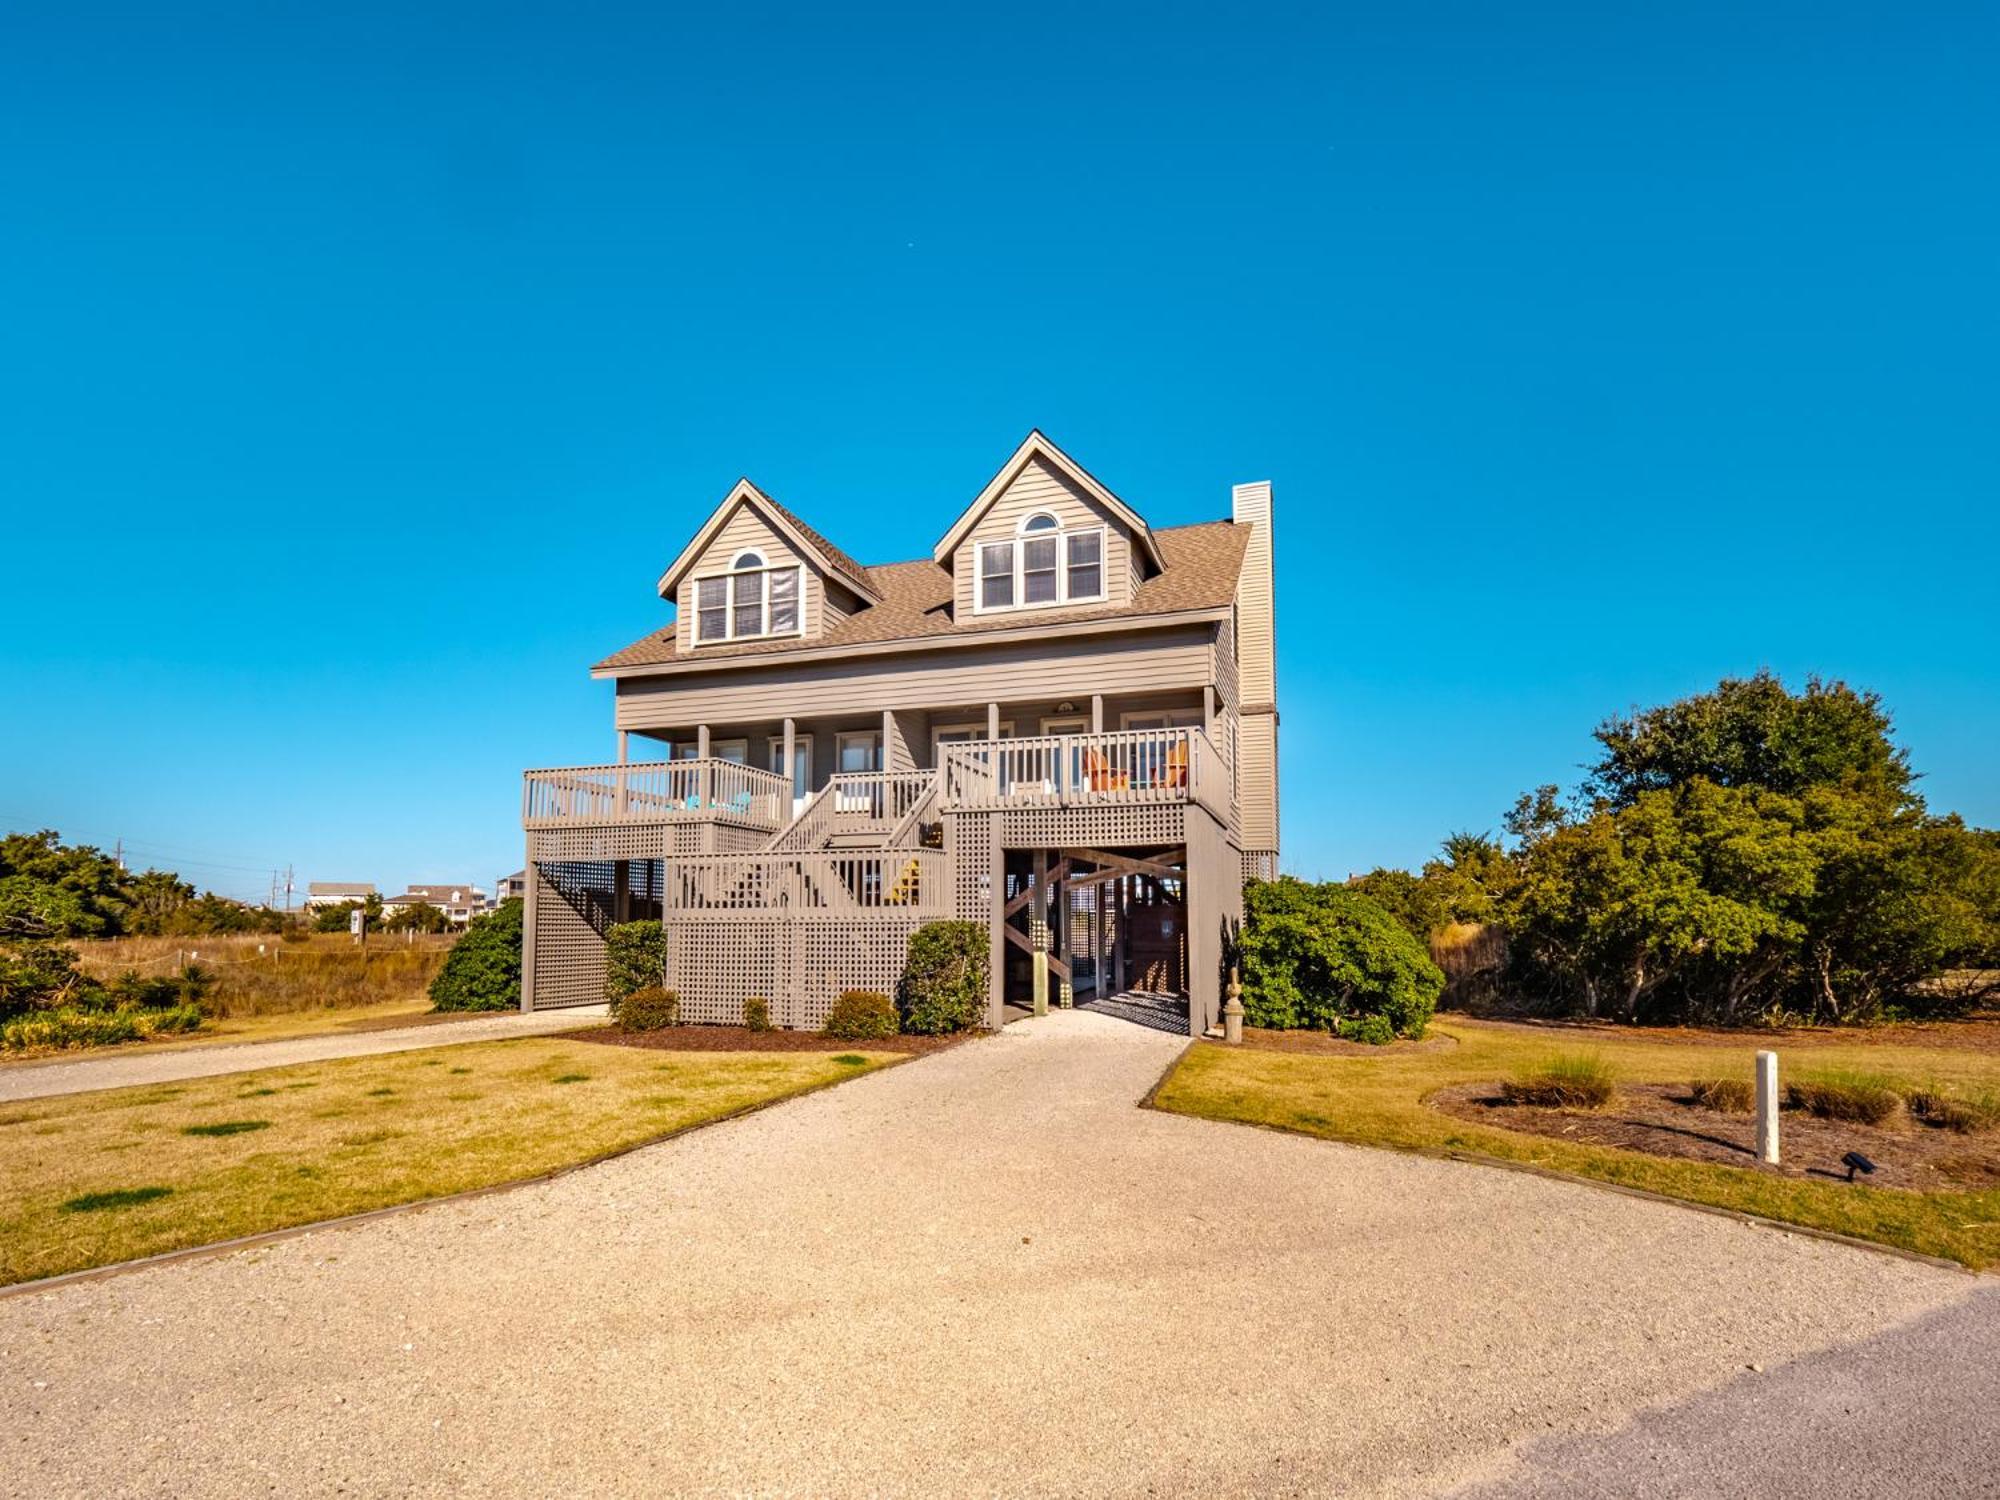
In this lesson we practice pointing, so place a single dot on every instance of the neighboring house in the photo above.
(459, 903)
(1061, 724)
(321, 894)
(511, 887)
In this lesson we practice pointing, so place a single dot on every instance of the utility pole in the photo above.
(118, 856)
(288, 890)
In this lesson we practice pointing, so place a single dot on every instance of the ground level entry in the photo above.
(1080, 923)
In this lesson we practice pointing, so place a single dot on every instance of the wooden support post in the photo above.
(621, 890)
(704, 777)
(993, 721)
(1097, 713)
(886, 761)
(528, 931)
(624, 746)
(1038, 931)
(1767, 1107)
(996, 926)
(1208, 710)
(791, 749)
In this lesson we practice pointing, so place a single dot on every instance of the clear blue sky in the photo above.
(362, 370)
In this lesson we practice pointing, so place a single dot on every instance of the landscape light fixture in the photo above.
(1854, 1161)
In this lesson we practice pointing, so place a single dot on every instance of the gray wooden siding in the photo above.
(743, 531)
(1039, 487)
(1153, 661)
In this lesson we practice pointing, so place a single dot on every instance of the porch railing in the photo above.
(899, 882)
(655, 792)
(884, 797)
(1083, 770)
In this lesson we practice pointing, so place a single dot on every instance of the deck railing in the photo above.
(898, 882)
(1083, 770)
(672, 791)
(884, 797)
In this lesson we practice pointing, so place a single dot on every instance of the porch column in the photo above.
(528, 928)
(1038, 931)
(996, 923)
(1097, 713)
(791, 786)
(705, 776)
(888, 738)
(993, 721)
(701, 742)
(624, 746)
(1208, 711)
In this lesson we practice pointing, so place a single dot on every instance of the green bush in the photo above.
(945, 977)
(1374, 1031)
(757, 1013)
(1577, 1080)
(635, 958)
(860, 1016)
(1733, 1095)
(1317, 955)
(483, 969)
(648, 1009)
(1837, 1094)
(70, 1028)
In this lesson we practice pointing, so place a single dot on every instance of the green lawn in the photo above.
(1378, 1100)
(90, 1179)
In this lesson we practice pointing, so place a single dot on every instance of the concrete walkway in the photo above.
(120, 1069)
(987, 1272)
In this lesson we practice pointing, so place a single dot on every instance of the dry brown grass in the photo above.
(1734, 1095)
(326, 972)
(88, 1179)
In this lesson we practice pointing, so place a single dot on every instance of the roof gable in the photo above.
(829, 558)
(1034, 446)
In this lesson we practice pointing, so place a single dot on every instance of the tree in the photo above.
(49, 889)
(419, 916)
(483, 969)
(335, 918)
(1746, 851)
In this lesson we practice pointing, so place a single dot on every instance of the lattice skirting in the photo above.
(799, 964)
(1093, 827)
(568, 953)
(968, 842)
(1260, 864)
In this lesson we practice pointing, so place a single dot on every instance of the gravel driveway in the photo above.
(984, 1272)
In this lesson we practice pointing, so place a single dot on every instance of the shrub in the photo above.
(1375, 1031)
(860, 1016)
(648, 1009)
(483, 969)
(1577, 1080)
(174, 1018)
(1315, 955)
(1860, 1098)
(68, 1027)
(635, 958)
(945, 977)
(1968, 1113)
(757, 1013)
(1735, 1095)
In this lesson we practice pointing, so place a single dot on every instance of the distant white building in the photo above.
(511, 887)
(459, 903)
(321, 894)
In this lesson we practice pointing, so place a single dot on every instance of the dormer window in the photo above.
(750, 601)
(1043, 566)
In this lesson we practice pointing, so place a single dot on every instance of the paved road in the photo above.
(116, 1070)
(985, 1272)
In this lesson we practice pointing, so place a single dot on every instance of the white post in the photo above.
(1767, 1107)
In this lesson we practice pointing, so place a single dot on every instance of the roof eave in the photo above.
(1025, 631)
(1038, 442)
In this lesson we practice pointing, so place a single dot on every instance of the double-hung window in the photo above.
(1044, 565)
(751, 600)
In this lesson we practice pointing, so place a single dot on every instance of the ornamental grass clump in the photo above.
(1733, 1095)
(1841, 1094)
(1574, 1080)
(757, 1014)
(1965, 1111)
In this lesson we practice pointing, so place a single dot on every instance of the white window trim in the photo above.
(840, 742)
(1080, 721)
(978, 728)
(727, 576)
(1060, 536)
(1191, 717)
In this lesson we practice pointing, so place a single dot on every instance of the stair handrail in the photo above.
(911, 827)
(810, 824)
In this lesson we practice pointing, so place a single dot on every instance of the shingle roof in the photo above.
(1202, 562)
(846, 566)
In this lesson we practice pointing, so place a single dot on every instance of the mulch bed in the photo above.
(1326, 1044)
(1661, 1120)
(742, 1039)
(1974, 1033)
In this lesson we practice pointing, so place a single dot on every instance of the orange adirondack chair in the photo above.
(1098, 774)
(1177, 764)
